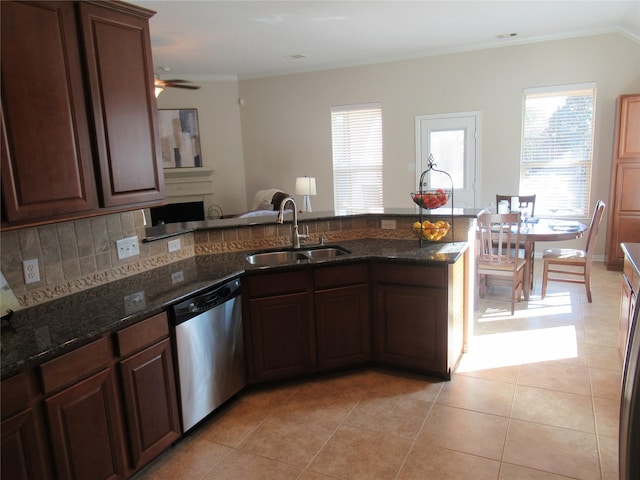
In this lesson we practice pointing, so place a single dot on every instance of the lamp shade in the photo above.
(305, 186)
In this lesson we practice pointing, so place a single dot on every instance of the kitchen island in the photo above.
(42, 332)
(107, 352)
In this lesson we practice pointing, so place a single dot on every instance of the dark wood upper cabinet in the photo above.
(120, 72)
(79, 127)
(46, 149)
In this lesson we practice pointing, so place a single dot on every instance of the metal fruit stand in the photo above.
(419, 200)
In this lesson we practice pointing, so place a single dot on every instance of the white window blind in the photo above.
(356, 132)
(557, 149)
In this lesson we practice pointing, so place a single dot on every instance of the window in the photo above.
(356, 132)
(557, 149)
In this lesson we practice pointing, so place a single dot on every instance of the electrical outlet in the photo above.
(174, 245)
(31, 271)
(128, 247)
(388, 224)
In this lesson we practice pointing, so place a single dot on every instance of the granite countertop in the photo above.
(43, 332)
(632, 250)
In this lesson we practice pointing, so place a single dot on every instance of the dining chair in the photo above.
(570, 262)
(498, 236)
(528, 202)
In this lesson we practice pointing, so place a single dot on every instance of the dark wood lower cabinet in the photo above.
(84, 425)
(342, 316)
(417, 322)
(24, 449)
(110, 407)
(281, 336)
(150, 402)
(419, 316)
(409, 327)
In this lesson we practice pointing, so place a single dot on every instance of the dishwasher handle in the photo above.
(201, 303)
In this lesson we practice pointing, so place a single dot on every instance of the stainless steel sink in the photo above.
(322, 253)
(282, 257)
(276, 258)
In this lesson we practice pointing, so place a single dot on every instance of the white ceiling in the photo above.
(210, 39)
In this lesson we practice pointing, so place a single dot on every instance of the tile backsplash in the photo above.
(80, 254)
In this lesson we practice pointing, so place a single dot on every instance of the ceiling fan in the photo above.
(175, 83)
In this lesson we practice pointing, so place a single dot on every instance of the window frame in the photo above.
(357, 158)
(563, 150)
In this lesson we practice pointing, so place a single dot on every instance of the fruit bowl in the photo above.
(431, 231)
(431, 199)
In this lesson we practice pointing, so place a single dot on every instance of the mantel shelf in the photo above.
(192, 172)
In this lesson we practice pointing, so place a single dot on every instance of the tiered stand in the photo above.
(431, 167)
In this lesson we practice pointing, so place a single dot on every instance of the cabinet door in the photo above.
(150, 402)
(120, 71)
(343, 326)
(84, 424)
(281, 337)
(23, 447)
(20, 448)
(411, 328)
(46, 149)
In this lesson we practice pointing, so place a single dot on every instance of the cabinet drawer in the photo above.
(15, 394)
(74, 366)
(277, 283)
(330, 277)
(425, 275)
(143, 334)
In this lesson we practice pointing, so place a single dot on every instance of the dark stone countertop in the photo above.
(43, 332)
(632, 251)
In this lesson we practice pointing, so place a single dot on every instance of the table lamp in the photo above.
(306, 186)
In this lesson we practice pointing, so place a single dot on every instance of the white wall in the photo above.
(283, 130)
(286, 119)
(220, 138)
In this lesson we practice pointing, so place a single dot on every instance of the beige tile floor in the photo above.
(536, 397)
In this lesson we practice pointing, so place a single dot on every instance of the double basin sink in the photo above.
(280, 257)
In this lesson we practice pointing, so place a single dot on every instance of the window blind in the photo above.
(557, 149)
(356, 133)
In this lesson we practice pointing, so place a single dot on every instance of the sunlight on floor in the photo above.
(523, 343)
(517, 348)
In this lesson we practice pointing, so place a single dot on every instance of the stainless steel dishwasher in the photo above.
(209, 350)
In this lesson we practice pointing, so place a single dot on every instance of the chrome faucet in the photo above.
(295, 236)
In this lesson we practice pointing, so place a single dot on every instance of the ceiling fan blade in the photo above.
(175, 83)
(189, 87)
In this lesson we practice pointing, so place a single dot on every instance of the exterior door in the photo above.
(451, 139)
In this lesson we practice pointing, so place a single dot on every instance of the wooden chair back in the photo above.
(498, 238)
(596, 219)
(526, 201)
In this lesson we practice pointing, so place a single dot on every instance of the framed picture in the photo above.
(179, 138)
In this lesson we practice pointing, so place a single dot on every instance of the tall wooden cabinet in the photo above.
(624, 201)
(79, 128)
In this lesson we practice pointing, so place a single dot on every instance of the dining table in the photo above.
(544, 230)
